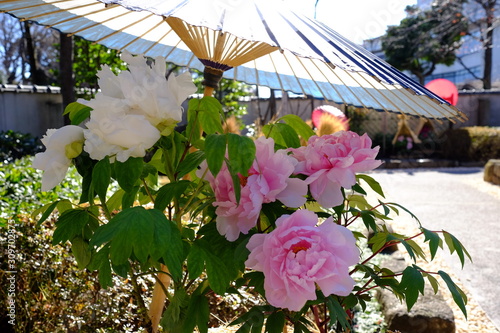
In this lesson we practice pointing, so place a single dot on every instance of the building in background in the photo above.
(470, 57)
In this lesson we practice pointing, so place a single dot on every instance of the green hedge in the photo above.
(14, 145)
(478, 144)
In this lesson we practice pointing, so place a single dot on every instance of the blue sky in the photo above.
(355, 19)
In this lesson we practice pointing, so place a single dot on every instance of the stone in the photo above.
(492, 172)
(430, 314)
(369, 234)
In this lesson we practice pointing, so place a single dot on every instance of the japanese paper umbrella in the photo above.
(255, 41)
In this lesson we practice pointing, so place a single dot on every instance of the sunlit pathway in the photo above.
(460, 202)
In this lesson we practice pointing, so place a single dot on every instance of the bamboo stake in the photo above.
(159, 296)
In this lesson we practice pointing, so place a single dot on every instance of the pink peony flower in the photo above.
(268, 180)
(332, 161)
(297, 256)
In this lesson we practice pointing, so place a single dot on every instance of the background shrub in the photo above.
(477, 143)
(14, 145)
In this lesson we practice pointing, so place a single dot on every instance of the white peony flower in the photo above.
(112, 132)
(134, 108)
(61, 145)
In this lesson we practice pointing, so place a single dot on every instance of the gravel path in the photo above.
(459, 201)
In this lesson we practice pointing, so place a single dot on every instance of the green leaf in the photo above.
(356, 187)
(210, 115)
(412, 282)
(275, 322)
(455, 245)
(167, 243)
(350, 301)
(64, 205)
(128, 198)
(193, 128)
(122, 270)
(241, 153)
(69, 225)
(378, 240)
(458, 295)
(115, 201)
(433, 282)
(434, 241)
(374, 185)
(218, 274)
(368, 219)
(195, 261)
(172, 316)
(46, 210)
(235, 177)
(170, 191)
(252, 321)
(128, 172)
(197, 314)
(393, 206)
(270, 131)
(100, 261)
(298, 125)
(130, 230)
(191, 162)
(77, 112)
(84, 165)
(289, 135)
(101, 177)
(215, 151)
(218, 255)
(157, 161)
(81, 251)
(337, 313)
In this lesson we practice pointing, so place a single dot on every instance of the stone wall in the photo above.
(30, 109)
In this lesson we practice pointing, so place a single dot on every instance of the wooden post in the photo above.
(159, 296)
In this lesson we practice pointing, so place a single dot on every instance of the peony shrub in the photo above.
(231, 213)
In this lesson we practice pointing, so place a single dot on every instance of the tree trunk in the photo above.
(488, 51)
(37, 75)
(66, 77)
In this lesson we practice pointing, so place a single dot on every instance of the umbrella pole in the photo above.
(158, 301)
(211, 80)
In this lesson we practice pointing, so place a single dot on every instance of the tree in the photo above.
(426, 38)
(10, 47)
(40, 52)
(482, 15)
(88, 59)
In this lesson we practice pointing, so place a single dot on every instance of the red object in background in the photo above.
(444, 89)
(329, 109)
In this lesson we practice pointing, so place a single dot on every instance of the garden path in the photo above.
(460, 202)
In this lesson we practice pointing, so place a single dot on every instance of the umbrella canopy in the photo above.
(254, 41)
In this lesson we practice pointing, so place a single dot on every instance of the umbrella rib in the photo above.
(295, 75)
(54, 12)
(256, 73)
(375, 98)
(312, 79)
(38, 5)
(277, 74)
(144, 34)
(76, 16)
(326, 78)
(99, 23)
(331, 66)
(430, 102)
(122, 29)
(405, 92)
(158, 42)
